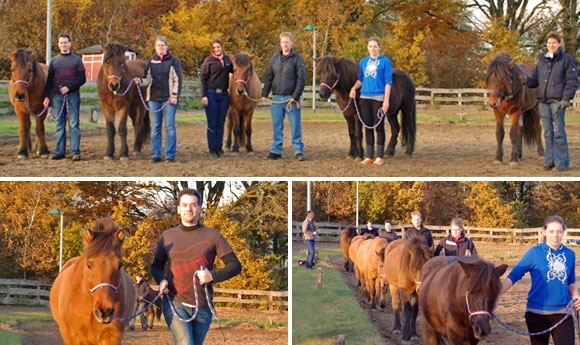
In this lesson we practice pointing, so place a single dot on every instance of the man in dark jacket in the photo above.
(285, 77)
(556, 80)
(145, 294)
(418, 229)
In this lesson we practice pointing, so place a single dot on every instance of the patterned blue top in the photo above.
(551, 272)
(374, 74)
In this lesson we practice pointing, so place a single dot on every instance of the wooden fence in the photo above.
(330, 232)
(31, 292)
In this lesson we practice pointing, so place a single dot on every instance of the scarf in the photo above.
(457, 239)
(219, 57)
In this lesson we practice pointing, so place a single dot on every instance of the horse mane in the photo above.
(416, 254)
(482, 280)
(22, 56)
(104, 230)
(326, 65)
(113, 50)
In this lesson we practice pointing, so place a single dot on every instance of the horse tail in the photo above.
(145, 132)
(531, 120)
(409, 119)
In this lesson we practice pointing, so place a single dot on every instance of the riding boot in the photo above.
(370, 151)
(380, 150)
(213, 152)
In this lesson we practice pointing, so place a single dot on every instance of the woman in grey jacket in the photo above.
(556, 80)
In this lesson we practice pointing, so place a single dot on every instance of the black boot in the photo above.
(213, 152)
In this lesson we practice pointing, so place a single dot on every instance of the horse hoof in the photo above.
(22, 156)
(108, 158)
(124, 158)
(251, 153)
(396, 331)
(514, 164)
(497, 161)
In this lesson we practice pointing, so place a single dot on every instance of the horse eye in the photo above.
(89, 265)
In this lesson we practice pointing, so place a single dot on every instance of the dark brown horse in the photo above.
(120, 96)
(26, 93)
(345, 238)
(340, 74)
(509, 97)
(245, 91)
(470, 286)
(402, 266)
(92, 299)
(154, 311)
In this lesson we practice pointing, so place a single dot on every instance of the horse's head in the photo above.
(102, 267)
(482, 288)
(502, 80)
(328, 76)
(114, 65)
(243, 69)
(23, 68)
(412, 263)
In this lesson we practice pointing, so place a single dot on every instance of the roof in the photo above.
(98, 49)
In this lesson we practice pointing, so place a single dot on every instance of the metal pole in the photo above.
(356, 221)
(308, 198)
(61, 230)
(314, 70)
(48, 30)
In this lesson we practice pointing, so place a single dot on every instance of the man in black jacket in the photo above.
(286, 78)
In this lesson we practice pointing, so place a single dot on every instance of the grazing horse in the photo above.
(346, 237)
(471, 287)
(92, 299)
(245, 91)
(370, 260)
(26, 93)
(119, 95)
(509, 96)
(403, 261)
(340, 74)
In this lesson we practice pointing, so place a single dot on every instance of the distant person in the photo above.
(389, 234)
(419, 230)
(456, 243)
(286, 78)
(370, 229)
(66, 75)
(552, 268)
(309, 233)
(145, 295)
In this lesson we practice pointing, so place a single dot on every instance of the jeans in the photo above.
(311, 251)
(167, 115)
(279, 111)
(143, 317)
(215, 113)
(186, 333)
(67, 107)
(554, 126)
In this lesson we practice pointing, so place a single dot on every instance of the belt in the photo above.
(217, 90)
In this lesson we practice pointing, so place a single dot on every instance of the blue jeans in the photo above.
(215, 113)
(186, 333)
(143, 317)
(62, 111)
(278, 112)
(554, 126)
(167, 115)
(311, 251)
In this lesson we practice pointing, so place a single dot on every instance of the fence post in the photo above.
(319, 277)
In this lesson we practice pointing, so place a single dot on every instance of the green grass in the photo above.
(11, 320)
(320, 315)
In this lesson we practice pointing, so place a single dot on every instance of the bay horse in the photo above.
(509, 96)
(92, 298)
(119, 95)
(403, 261)
(370, 260)
(471, 287)
(340, 74)
(26, 94)
(346, 237)
(245, 91)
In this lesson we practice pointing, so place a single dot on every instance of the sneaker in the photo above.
(379, 161)
(300, 156)
(156, 160)
(76, 157)
(57, 157)
(367, 160)
(273, 156)
(562, 168)
(548, 167)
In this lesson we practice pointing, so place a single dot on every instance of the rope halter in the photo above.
(477, 312)
(111, 286)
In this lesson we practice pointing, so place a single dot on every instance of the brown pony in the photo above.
(370, 260)
(119, 95)
(26, 93)
(403, 261)
(346, 237)
(245, 91)
(463, 314)
(508, 96)
(352, 252)
(92, 298)
(154, 311)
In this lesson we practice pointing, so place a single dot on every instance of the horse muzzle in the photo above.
(20, 97)
(104, 316)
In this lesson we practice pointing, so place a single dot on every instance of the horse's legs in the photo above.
(383, 286)
(499, 134)
(237, 130)
(395, 129)
(414, 301)
(110, 118)
(229, 129)
(396, 304)
(248, 129)
(515, 138)
(40, 141)
(25, 144)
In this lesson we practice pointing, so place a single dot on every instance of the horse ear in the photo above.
(120, 235)
(251, 56)
(511, 63)
(32, 55)
(88, 236)
(233, 58)
(11, 56)
(500, 270)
